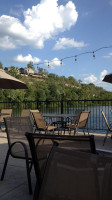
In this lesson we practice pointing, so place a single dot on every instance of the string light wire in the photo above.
(74, 56)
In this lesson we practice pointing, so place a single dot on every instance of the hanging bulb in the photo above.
(93, 55)
(61, 62)
(75, 58)
(48, 64)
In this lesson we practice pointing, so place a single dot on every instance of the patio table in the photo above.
(62, 118)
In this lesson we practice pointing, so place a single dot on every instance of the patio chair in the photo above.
(18, 146)
(41, 146)
(25, 112)
(31, 114)
(109, 129)
(41, 124)
(76, 118)
(75, 175)
(80, 123)
(5, 113)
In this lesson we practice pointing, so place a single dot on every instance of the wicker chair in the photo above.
(18, 146)
(41, 146)
(41, 124)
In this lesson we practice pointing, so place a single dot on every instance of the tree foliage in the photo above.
(1, 65)
(30, 65)
(53, 87)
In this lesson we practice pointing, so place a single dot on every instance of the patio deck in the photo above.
(15, 185)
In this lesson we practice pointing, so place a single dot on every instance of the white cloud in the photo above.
(90, 79)
(41, 23)
(110, 2)
(25, 59)
(93, 79)
(108, 56)
(53, 64)
(103, 73)
(98, 80)
(16, 10)
(64, 43)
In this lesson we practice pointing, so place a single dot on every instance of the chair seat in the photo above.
(51, 127)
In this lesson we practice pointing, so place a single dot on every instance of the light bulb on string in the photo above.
(61, 62)
(93, 55)
(75, 58)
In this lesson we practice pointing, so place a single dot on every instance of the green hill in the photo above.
(53, 88)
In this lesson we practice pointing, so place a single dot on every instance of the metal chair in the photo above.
(41, 124)
(80, 123)
(75, 175)
(25, 112)
(18, 146)
(5, 113)
(42, 144)
(109, 129)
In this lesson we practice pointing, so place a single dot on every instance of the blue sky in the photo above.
(50, 30)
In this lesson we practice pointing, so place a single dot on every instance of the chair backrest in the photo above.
(75, 175)
(31, 114)
(83, 119)
(41, 145)
(76, 118)
(32, 111)
(16, 127)
(25, 112)
(39, 120)
(105, 120)
(5, 113)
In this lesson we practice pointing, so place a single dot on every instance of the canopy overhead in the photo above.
(9, 82)
(108, 78)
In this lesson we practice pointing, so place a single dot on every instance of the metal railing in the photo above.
(95, 121)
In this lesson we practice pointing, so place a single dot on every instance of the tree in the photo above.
(13, 71)
(42, 70)
(1, 65)
(30, 65)
(79, 81)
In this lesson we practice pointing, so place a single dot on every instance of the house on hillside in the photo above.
(31, 72)
(28, 72)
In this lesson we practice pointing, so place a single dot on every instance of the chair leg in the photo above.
(5, 164)
(28, 176)
(27, 167)
(105, 138)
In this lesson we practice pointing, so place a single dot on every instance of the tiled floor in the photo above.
(15, 185)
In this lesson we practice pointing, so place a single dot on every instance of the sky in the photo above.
(68, 38)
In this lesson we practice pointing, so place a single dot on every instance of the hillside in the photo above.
(53, 88)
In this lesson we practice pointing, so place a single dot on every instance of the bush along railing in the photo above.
(95, 121)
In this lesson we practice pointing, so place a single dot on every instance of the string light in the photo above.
(61, 62)
(93, 55)
(75, 56)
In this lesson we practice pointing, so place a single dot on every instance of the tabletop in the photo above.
(60, 115)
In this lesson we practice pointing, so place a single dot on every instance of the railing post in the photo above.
(61, 106)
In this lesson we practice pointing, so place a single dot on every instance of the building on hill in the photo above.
(31, 72)
(28, 72)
